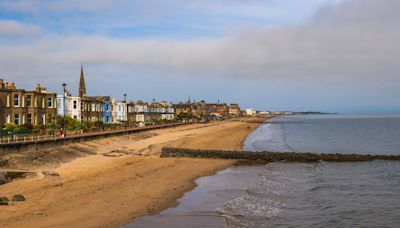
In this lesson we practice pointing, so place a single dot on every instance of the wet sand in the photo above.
(131, 181)
(203, 207)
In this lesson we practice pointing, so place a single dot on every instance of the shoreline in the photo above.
(98, 190)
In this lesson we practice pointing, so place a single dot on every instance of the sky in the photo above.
(320, 55)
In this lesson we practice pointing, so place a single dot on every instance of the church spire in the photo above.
(82, 86)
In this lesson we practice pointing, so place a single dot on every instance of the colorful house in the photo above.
(107, 110)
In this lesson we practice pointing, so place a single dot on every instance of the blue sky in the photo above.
(272, 55)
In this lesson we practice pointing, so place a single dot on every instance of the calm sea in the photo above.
(323, 194)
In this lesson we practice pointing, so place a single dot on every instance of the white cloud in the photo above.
(15, 28)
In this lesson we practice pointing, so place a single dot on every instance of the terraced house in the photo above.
(68, 105)
(22, 107)
(144, 113)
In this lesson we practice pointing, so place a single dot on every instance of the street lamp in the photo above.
(64, 97)
(125, 109)
(64, 106)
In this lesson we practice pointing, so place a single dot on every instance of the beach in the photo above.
(110, 182)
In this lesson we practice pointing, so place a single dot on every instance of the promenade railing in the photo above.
(39, 138)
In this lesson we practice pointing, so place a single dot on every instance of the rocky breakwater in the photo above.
(272, 156)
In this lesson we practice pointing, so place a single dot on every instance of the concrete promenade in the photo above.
(43, 143)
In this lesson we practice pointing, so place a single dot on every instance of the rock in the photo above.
(3, 179)
(15, 175)
(18, 198)
(4, 201)
(38, 213)
(51, 173)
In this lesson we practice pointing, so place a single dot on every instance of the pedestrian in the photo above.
(62, 133)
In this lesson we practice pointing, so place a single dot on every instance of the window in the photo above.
(28, 100)
(49, 102)
(75, 104)
(29, 118)
(16, 100)
(75, 117)
(81, 106)
(16, 119)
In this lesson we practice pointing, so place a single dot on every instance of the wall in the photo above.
(50, 143)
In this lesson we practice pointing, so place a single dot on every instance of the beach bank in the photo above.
(122, 178)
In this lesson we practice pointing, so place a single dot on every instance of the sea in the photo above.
(279, 194)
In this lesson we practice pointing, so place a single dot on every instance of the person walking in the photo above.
(62, 133)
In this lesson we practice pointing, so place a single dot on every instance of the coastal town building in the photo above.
(167, 111)
(250, 112)
(107, 110)
(68, 105)
(22, 107)
(131, 115)
(39, 107)
(139, 110)
(194, 109)
(91, 106)
(234, 110)
(119, 111)
(218, 111)
(143, 113)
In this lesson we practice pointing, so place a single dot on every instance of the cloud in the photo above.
(12, 28)
(350, 46)
(330, 44)
(315, 50)
(20, 5)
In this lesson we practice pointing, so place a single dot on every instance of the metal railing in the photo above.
(17, 139)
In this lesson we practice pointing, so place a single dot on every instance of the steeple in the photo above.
(82, 86)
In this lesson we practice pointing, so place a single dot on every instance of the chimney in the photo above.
(44, 90)
(10, 85)
(38, 89)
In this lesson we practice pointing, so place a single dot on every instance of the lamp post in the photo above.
(125, 109)
(64, 106)
(64, 97)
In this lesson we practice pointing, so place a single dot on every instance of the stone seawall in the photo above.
(14, 147)
(272, 156)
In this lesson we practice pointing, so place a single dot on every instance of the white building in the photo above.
(250, 112)
(68, 105)
(119, 111)
(168, 113)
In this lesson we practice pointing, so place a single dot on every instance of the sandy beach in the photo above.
(110, 182)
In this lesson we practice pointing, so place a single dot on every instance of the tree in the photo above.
(10, 128)
(74, 125)
(99, 125)
(52, 128)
